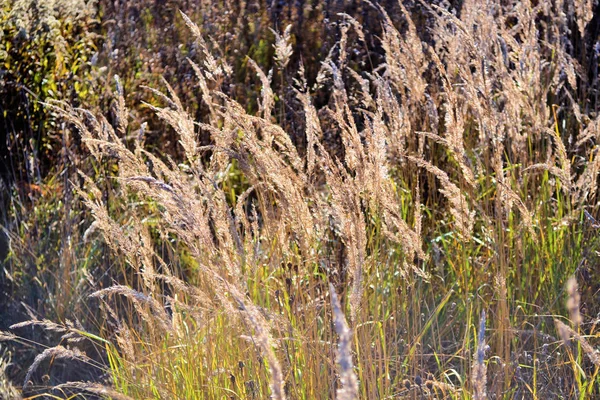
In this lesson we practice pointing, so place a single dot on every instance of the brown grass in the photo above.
(466, 155)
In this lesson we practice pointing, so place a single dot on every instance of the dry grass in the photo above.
(7, 390)
(348, 379)
(467, 159)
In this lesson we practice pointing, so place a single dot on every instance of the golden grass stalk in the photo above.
(573, 303)
(268, 97)
(57, 352)
(348, 379)
(93, 388)
(264, 341)
(283, 46)
(463, 217)
(566, 333)
(140, 302)
(7, 390)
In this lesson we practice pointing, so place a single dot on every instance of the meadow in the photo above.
(299, 200)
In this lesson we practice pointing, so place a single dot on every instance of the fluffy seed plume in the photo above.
(283, 47)
(348, 379)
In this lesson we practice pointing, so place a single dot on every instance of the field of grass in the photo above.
(299, 200)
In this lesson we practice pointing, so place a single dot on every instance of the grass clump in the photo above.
(405, 228)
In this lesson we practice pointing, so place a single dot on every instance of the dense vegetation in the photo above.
(308, 199)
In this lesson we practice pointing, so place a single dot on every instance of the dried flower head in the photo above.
(573, 302)
(283, 47)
